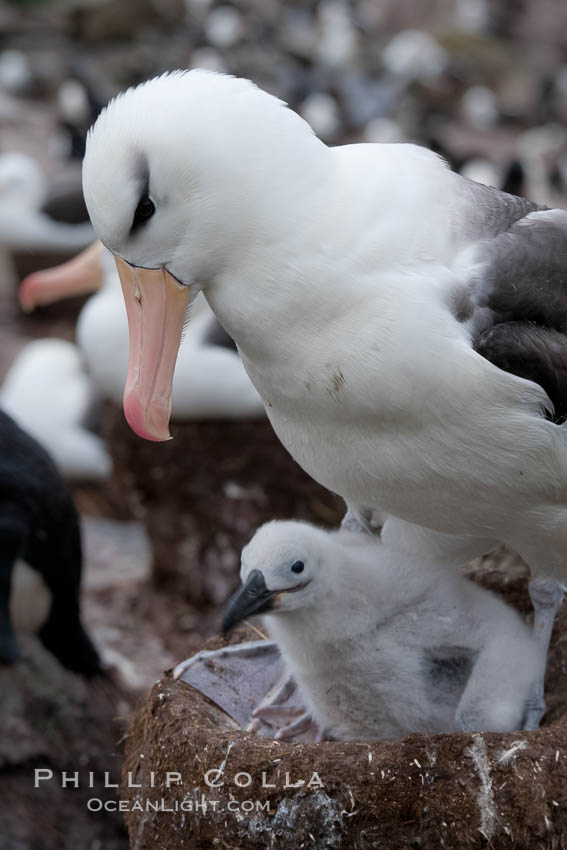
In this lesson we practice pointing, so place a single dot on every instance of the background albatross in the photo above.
(367, 287)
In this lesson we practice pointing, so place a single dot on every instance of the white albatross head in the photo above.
(179, 177)
(283, 569)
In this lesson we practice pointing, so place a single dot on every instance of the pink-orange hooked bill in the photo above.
(156, 305)
(79, 276)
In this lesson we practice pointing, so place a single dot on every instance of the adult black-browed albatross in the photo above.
(368, 288)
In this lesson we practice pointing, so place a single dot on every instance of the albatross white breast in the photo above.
(368, 289)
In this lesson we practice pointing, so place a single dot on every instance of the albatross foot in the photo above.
(278, 712)
(271, 704)
(546, 596)
(303, 723)
(271, 707)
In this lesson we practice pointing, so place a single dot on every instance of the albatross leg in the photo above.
(358, 520)
(546, 596)
(497, 686)
(250, 649)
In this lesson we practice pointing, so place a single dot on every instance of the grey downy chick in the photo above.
(380, 643)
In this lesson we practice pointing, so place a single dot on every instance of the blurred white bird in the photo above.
(481, 170)
(415, 55)
(48, 394)
(23, 224)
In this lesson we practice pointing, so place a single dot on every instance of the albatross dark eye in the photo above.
(298, 567)
(144, 211)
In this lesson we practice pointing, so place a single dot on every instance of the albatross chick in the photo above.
(380, 644)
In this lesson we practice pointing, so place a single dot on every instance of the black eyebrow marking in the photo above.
(142, 174)
(142, 178)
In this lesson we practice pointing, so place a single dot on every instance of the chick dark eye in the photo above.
(144, 211)
(298, 567)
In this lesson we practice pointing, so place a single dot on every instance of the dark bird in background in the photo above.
(39, 525)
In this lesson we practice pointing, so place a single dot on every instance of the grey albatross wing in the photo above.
(516, 277)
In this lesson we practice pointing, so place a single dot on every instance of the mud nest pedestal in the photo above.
(203, 494)
(425, 792)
